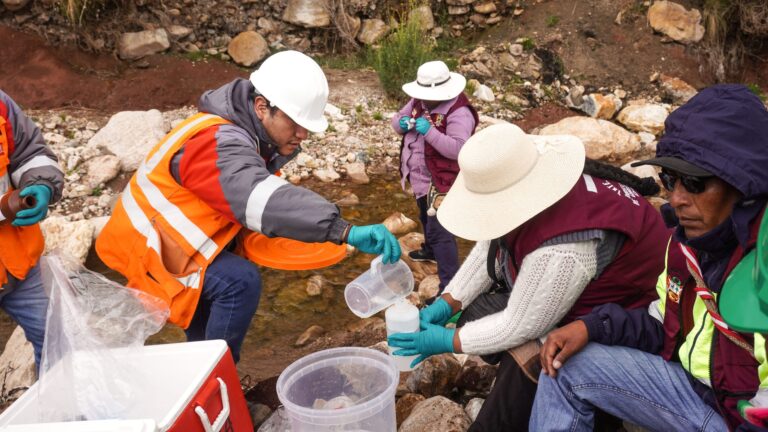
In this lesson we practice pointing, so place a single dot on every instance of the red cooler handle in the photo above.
(223, 415)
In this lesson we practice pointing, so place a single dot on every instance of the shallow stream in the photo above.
(285, 309)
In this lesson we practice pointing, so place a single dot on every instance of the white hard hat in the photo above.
(293, 82)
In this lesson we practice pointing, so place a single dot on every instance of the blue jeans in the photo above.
(26, 302)
(228, 302)
(630, 384)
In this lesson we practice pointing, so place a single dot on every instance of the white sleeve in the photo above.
(550, 281)
(472, 277)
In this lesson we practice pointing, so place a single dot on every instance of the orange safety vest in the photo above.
(20, 247)
(161, 236)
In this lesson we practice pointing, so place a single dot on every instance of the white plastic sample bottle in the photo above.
(402, 317)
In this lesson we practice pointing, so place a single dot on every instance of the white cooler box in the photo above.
(194, 388)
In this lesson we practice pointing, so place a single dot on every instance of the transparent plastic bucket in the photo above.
(340, 389)
(379, 287)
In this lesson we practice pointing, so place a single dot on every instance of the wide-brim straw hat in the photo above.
(507, 177)
(434, 82)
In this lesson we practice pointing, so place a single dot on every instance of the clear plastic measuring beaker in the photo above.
(379, 287)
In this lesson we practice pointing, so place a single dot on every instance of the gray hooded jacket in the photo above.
(31, 161)
(231, 168)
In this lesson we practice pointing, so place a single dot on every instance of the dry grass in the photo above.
(753, 17)
(734, 29)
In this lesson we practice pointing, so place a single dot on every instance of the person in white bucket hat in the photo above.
(557, 235)
(216, 173)
(434, 124)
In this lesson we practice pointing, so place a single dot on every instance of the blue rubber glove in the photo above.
(438, 313)
(422, 125)
(430, 341)
(404, 125)
(375, 239)
(35, 214)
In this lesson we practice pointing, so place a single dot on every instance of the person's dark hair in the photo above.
(644, 186)
(272, 108)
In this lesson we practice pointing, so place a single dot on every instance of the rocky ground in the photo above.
(599, 72)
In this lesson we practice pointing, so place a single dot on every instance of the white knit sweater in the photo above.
(550, 280)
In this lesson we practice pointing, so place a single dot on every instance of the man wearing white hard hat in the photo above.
(434, 124)
(556, 236)
(214, 174)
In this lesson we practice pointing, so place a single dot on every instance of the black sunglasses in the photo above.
(692, 184)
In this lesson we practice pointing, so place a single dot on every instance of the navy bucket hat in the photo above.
(722, 131)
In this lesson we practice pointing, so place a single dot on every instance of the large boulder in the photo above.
(602, 139)
(429, 287)
(405, 404)
(410, 242)
(14, 5)
(398, 223)
(436, 414)
(473, 408)
(307, 13)
(644, 118)
(17, 365)
(423, 16)
(476, 375)
(248, 48)
(372, 31)
(309, 335)
(676, 89)
(595, 105)
(132, 46)
(356, 173)
(72, 238)
(326, 175)
(675, 21)
(102, 169)
(434, 376)
(130, 135)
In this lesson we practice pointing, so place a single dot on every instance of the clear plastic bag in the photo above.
(91, 321)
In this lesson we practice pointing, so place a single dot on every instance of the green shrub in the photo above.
(400, 55)
(470, 87)
(552, 20)
(754, 88)
(528, 44)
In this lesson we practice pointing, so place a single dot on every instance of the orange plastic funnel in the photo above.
(287, 254)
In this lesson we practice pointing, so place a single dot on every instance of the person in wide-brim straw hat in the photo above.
(566, 233)
(434, 125)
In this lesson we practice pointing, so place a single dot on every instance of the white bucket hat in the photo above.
(434, 82)
(507, 177)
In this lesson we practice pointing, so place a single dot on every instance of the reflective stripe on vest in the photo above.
(257, 200)
(35, 162)
(193, 235)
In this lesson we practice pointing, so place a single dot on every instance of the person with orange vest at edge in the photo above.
(213, 175)
(434, 124)
(29, 173)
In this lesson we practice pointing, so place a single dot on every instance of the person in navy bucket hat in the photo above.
(678, 365)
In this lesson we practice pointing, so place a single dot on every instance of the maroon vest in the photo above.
(594, 203)
(442, 169)
(733, 370)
